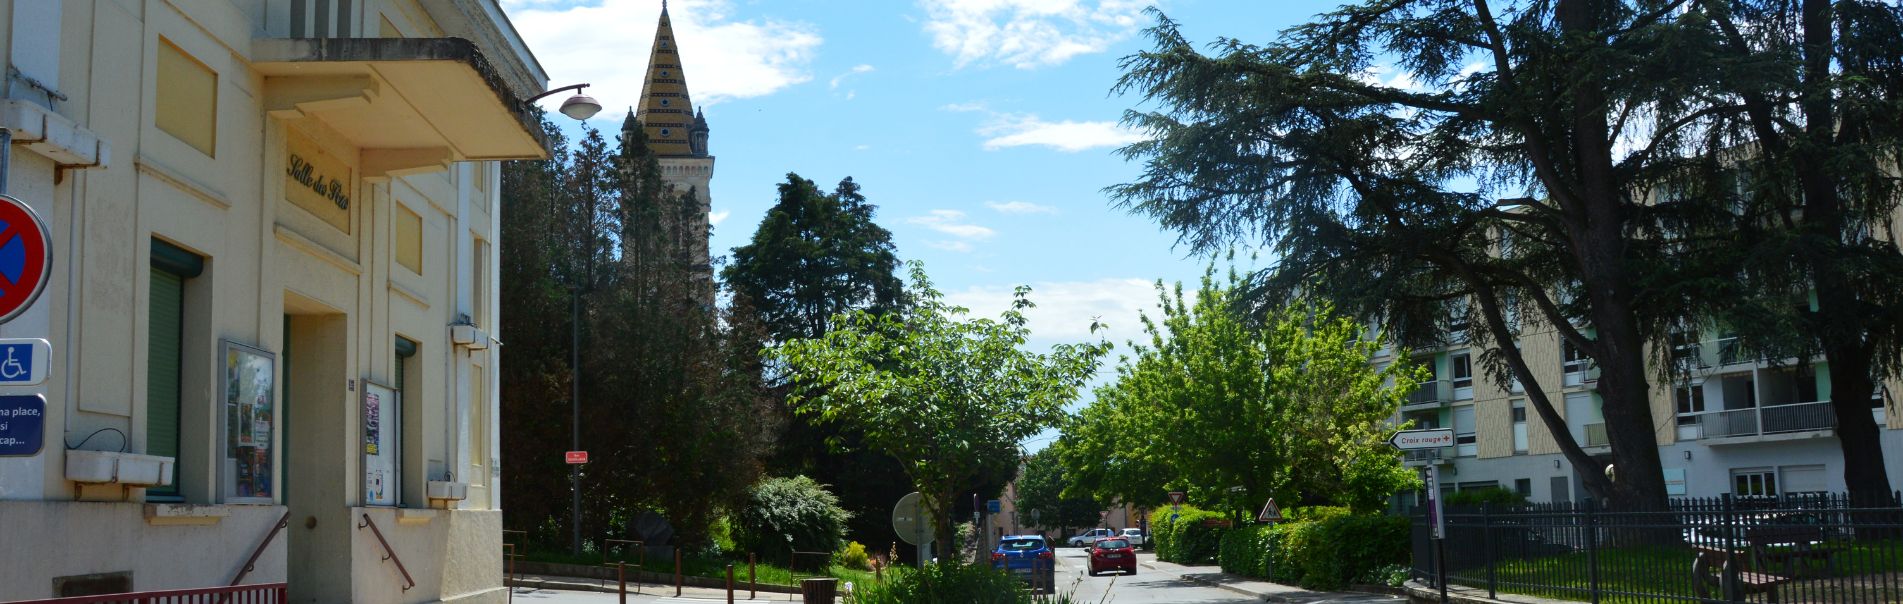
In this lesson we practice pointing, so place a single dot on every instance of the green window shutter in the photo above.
(162, 370)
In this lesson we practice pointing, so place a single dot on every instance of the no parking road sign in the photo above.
(26, 257)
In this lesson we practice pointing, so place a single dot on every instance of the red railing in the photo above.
(263, 593)
(252, 563)
(388, 553)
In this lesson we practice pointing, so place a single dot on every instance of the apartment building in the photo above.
(1730, 421)
(273, 283)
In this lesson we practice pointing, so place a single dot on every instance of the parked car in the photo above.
(1112, 554)
(1091, 536)
(1028, 557)
(1136, 537)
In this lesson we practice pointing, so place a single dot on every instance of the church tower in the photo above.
(678, 135)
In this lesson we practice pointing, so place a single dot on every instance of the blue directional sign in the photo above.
(23, 361)
(22, 425)
(994, 506)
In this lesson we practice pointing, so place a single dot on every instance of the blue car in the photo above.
(1028, 557)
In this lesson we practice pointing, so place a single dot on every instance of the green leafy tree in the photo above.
(815, 256)
(1290, 408)
(949, 397)
(1043, 495)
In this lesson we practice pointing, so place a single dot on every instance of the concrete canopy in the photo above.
(412, 105)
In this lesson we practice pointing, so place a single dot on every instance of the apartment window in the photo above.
(1576, 361)
(1464, 438)
(1523, 486)
(165, 355)
(1463, 371)
(1519, 427)
(408, 229)
(187, 99)
(1754, 483)
(479, 284)
(1691, 401)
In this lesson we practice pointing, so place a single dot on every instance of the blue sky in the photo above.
(983, 129)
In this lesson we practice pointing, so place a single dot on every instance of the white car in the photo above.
(1090, 536)
(1135, 536)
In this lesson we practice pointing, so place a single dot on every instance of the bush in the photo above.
(1327, 550)
(1495, 496)
(853, 556)
(784, 514)
(1184, 540)
(945, 583)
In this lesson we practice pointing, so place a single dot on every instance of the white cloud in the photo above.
(606, 43)
(857, 69)
(1020, 207)
(1016, 130)
(1027, 34)
(961, 247)
(715, 218)
(964, 107)
(1065, 309)
(861, 147)
(952, 222)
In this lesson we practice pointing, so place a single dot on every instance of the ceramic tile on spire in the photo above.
(666, 111)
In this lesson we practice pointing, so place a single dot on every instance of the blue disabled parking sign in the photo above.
(22, 425)
(23, 361)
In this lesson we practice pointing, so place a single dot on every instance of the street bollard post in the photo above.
(729, 583)
(677, 572)
(753, 584)
(621, 580)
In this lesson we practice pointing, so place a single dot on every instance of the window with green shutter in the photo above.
(164, 359)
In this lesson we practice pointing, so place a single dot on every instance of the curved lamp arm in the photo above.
(552, 91)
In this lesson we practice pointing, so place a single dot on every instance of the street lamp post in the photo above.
(579, 107)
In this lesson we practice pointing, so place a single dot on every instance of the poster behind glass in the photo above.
(249, 395)
(382, 424)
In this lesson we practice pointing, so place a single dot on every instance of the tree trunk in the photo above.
(942, 528)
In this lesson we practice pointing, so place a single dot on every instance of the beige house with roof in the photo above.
(273, 227)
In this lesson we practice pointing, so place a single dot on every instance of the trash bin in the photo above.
(818, 590)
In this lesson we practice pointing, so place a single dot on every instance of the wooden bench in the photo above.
(1770, 559)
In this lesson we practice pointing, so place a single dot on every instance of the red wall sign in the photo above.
(577, 457)
(26, 259)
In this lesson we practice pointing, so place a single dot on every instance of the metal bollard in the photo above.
(621, 581)
(753, 584)
(729, 583)
(677, 572)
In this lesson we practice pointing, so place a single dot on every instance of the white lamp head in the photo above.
(580, 106)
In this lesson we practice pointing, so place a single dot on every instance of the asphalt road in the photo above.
(1144, 587)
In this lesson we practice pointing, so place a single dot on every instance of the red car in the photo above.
(1112, 554)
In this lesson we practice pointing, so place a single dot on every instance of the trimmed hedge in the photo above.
(1184, 540)
(1320, 548)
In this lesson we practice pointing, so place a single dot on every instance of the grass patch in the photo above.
(1658, 573)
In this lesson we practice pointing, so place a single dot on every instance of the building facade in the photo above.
(1729, 421)
(273, 283)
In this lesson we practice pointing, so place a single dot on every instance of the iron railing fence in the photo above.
(265, 593)
(1794, 548)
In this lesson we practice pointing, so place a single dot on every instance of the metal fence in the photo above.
(1808, 548)
(267, 593)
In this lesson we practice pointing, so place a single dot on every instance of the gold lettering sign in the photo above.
(317, 182)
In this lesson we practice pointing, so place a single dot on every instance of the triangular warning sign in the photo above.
(1270, 513)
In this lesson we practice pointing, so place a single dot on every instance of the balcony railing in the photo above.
(1755, 421)
(1429, 394)
(1429, 456)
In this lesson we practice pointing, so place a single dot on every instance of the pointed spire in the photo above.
(666, 110)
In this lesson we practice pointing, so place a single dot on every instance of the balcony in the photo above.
(1430, 395)
(1596, 436)
(1758, 421)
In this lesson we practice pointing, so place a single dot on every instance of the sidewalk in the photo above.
(528, 584)
(1269, 592)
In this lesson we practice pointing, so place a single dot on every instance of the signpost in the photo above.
(22, 425)
(577, 457)
(1437, 526)
(1176, 502)
(1270, 513)
(1412, 440)
(911, 525)
(26, 257)
(23, 361)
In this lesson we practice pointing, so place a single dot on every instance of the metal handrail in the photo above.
(251, 564)
(388, 553)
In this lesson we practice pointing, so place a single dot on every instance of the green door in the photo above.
(162, 369)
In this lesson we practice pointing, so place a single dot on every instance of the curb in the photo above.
(1278, 599)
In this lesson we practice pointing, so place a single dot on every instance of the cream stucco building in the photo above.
(273, 229)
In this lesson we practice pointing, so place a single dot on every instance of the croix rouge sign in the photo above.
(1408, 440)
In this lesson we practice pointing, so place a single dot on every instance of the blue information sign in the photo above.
(994, 505)
(22, 424)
